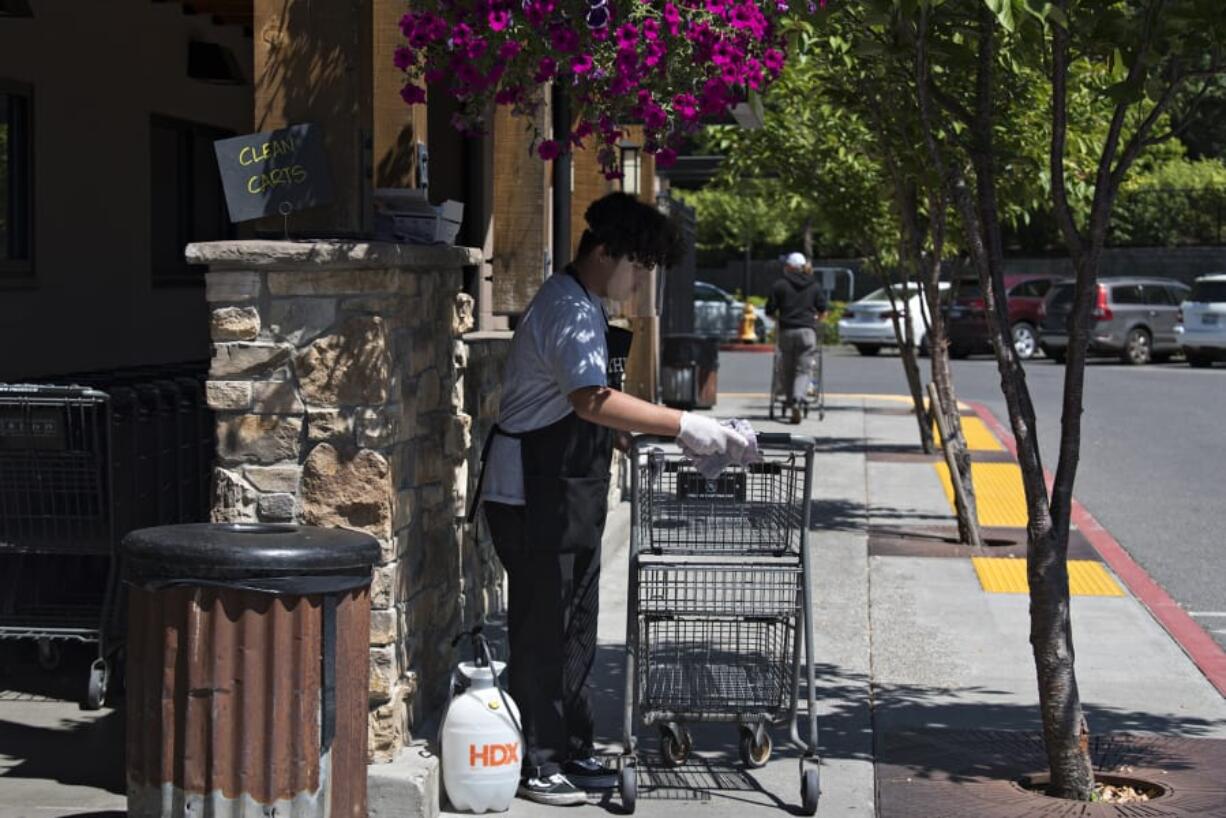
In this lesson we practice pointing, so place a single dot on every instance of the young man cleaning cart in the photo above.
(545, 482)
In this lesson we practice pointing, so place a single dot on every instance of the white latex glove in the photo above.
(703, 435)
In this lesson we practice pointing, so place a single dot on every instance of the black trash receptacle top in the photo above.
(274, 558)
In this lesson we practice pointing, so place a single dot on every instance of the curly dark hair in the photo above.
(630, 229)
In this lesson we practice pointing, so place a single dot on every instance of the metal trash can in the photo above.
(689, 370)
(247, 670)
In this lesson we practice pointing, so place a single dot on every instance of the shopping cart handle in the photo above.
(785, 440)
(766, 440)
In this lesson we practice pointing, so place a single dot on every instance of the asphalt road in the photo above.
(1153, 453)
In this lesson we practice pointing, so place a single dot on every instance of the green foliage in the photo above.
(830, 323)
(1177, 202)
(729, 218)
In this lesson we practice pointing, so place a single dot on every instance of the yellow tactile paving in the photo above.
(979, 437)
(1001, 575)
(998, 493)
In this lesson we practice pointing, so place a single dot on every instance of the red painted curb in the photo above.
(1204, 652)
(746, 347)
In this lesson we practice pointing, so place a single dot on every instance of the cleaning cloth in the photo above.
(710, 465)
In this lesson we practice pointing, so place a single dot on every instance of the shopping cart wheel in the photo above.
(95, 696)
(628, 788)
(49, 654)
(755, 753)
(675, 744)
(809, 791)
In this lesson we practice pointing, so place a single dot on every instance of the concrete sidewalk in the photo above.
(908, 643)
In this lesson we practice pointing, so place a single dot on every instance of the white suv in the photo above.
(1202, 321)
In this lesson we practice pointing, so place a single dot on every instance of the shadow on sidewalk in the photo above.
(849, 515)
(73, 753)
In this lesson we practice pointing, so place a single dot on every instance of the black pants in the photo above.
(553, 600)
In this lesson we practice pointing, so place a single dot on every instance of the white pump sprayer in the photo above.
(480, 738)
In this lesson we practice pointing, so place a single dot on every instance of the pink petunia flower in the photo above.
(499, 19)
(627, 37)
(549, 150)
(666, 158)
(773, 59)
(672, 18)
(654, 55)
(564, 38)
(509, 50)
(724, 54)
(413, 94)
(651, 30)
(581, 64)
(403, 58)
(546, 69)
(686, 106)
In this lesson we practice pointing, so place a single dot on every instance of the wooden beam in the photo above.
(313, 64)
(397, 127)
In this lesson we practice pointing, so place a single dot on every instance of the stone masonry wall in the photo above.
(338, 383)
(483, 574)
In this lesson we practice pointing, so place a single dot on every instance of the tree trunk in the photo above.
(1064, 728)
(946, 402)
(905, 336)
(807, 238)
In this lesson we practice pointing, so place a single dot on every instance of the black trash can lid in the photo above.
(248, 555)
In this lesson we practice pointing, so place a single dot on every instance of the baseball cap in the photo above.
(796, 260)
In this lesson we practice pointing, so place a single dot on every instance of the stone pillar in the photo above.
(338, 383)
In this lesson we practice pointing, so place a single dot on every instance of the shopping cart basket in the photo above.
(57, 524)
(815, 395)
(718, 604)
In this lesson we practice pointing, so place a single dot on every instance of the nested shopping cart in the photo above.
(56, 523)
(718, 604)
(815, 394)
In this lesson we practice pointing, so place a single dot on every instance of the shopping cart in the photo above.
(815, 395)
(718, 604)
(57, 524)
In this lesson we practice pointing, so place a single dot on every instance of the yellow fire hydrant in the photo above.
(749, 325)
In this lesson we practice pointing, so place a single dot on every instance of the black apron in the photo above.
(552, 558)
(565, 462)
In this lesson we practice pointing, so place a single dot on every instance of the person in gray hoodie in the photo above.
(797, 302)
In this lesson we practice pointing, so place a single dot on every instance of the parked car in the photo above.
(1134, 318)
(967, 322)
(868, 324)
(718, 314)
(1202, 321)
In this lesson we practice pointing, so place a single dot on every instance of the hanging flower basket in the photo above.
(668, 64)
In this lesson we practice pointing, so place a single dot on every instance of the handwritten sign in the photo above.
(275, 172)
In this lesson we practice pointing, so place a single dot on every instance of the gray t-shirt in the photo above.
(559, 346)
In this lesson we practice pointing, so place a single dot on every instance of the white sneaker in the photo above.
(556, 790)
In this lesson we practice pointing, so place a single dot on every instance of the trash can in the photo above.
(689, 370)
(247, 670)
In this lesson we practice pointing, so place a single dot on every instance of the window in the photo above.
(631, 170)
(187, 202)
(15, 190)
(1127, 294)
(1157, 295)
(1062, 295)
(1036, 288)
(1208, 292)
